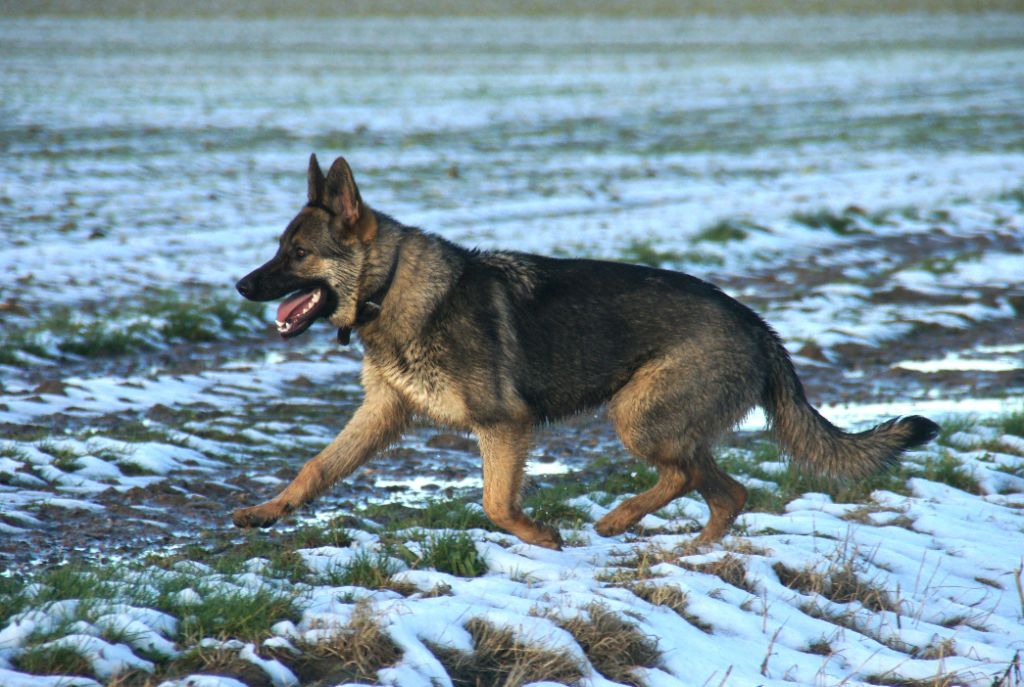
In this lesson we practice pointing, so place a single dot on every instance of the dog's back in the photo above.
(583, 327)
(498, 342)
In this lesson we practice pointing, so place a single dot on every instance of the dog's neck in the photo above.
(369, 308)
(403, 290)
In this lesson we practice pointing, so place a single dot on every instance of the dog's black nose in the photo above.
(244, 287)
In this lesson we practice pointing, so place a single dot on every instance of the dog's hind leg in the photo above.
(377, 423)
(673, 482)
(724, 496)
(670, 413)
(504, 455)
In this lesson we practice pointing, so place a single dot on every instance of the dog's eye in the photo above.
(300, 253)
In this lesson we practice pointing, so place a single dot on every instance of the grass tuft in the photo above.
(1012, 423)
(235, 613)
(549, 506)
(452, 552)
(456, 514)
(952, 425)
(333, 533)
(13, 597)
(131, 327)
(64, 459)
(614, 646)
(671, 597)
(645, 253)
(723, 231)
(946, 468)
(840, 582)
(893, 679)
(53, 660)
(354, 654)
(500, 659)
(844, 223)
(211, 661)
(729, 569)
(371, 571)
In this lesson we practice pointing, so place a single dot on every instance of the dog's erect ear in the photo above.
(341, 196)
(315, 181)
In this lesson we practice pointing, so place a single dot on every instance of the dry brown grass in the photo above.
(354, 654)
(223, 662)
(820, 647)
(729, 569)
(938, 649)
(839, 582)
(614, 646)
(500, 659)
(892, 679)
(862, 515)
(671, 597)
(850, 621)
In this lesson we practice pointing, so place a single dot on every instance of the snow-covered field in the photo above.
(859, 181)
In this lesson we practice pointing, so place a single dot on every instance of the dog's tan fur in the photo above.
(496, 343)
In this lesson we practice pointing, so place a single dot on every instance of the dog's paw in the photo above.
(262, 515)
(546, 536)
(609, 526)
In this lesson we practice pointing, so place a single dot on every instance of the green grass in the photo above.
(64, 459)
(13, 597)
(16, 342)
(723, 231)
(446, 514)
(1012, 423)
(615, 477)
(11, 450)
(548, 505)
(139, 430)
(844, 223)
(278, 550)
(331, 533)
(73, 581)
(793, 482)
(947, 469)
(452, 552)
(102, 339)
(953, 424)
(206, 320)
(644, 252)
(123, 328)
(235, 613)
(372, 571)
(59, 660)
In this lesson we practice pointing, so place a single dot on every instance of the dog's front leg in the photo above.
(504, 450)
(377, 423)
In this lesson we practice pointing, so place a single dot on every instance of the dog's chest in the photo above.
(431, 389)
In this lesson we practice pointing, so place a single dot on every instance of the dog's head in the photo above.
(320, 257)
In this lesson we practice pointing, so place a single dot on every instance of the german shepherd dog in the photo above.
(499, 342)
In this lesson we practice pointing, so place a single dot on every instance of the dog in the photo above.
(498, 342)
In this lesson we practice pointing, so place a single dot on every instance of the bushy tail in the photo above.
(816, 445)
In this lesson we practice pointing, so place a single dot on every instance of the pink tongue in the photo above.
(293, 304)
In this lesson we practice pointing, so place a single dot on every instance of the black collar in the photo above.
(369, 309)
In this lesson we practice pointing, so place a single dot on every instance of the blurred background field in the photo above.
(852, 170)
(538, 8)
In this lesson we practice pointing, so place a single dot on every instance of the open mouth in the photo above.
(298, 312)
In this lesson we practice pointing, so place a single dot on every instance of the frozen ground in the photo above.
(859, 182)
